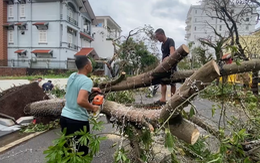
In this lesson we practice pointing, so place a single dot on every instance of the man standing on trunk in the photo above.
(167, 48)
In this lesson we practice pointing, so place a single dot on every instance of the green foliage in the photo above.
(135, 57)
(121, 97)
(39, 127)
(121, 157)
(58, 92)
(200, 56)
(64, 148)
(185, 64)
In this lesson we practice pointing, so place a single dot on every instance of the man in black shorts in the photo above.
(168, 48)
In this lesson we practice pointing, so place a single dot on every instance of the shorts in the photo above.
(169, 74)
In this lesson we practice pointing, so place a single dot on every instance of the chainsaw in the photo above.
(96, 98)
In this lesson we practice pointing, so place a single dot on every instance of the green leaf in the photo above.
(169, 142)
(192, 112)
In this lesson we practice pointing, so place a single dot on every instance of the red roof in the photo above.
(19, 51)
(40, 23)
(87, 36)
(19, 23)
(8, 24)
(41, 51)
(85, 51)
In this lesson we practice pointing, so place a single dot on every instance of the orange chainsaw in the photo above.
(98, 99)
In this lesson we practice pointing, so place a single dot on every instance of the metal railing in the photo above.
(86, 31)
(72, 21)
(39, 63)
(72, 46)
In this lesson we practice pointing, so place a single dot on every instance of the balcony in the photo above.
(72, 21)
(187, 28)
(187, 35)
(86, 31)
(72, 46)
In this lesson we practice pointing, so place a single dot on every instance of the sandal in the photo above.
(159, 103)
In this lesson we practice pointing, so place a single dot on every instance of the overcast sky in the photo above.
(129, 14)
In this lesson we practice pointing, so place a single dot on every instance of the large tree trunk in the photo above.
(150, 77)
(151, 118)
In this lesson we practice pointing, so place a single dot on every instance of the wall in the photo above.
(6, 71)
(3, 31)
(103, 47)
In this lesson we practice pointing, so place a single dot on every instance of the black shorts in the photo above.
(174, 69)
(72, 126)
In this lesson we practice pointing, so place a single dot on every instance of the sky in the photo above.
(129, 14)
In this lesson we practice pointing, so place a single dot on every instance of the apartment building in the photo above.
(198, 24)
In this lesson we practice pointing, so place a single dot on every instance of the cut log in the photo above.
(185, 131)
(44, 108)
(198, 81)
(205, 126)
(148, 78)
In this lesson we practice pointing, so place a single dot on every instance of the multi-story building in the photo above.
(104, 32)
(46, 33)
(197, 24)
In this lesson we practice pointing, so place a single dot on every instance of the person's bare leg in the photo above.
(173, 90)
(163, 92)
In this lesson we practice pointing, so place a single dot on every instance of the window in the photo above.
(70, 38)
(195, 28)
(42, 36)
(195, 11)
(247, 19)
(220, 28)
(11, 11)
(11, 36)
(70, 13)
(22, 10)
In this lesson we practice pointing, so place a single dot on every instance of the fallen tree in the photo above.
(151, 118)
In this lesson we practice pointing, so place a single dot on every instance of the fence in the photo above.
(38, 64)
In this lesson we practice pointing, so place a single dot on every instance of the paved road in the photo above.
(32, 150)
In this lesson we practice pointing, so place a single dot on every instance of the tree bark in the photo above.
(150, 118)
(147, 78)
(185, 131)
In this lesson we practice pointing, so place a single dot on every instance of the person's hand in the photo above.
(96, 89)
(95, 108)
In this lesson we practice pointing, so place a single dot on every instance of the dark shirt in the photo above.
(166, 50)
(166, 47)
(47, 86)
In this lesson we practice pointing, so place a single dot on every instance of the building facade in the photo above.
(197, 24)
(104, 32)
(47, 33)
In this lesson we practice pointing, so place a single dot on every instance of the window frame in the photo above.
(22, 15)
(42, 40)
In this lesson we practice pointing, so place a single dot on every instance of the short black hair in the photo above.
(49, 81)
(160, 31)
(39, 77)
(81, 61)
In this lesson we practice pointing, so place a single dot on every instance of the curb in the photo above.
(19, 141)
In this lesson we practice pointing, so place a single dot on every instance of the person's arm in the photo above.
(96, 89)
(172, 50)
(82, 101)
(172, 46)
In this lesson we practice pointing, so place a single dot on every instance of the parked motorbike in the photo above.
(152, 90)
